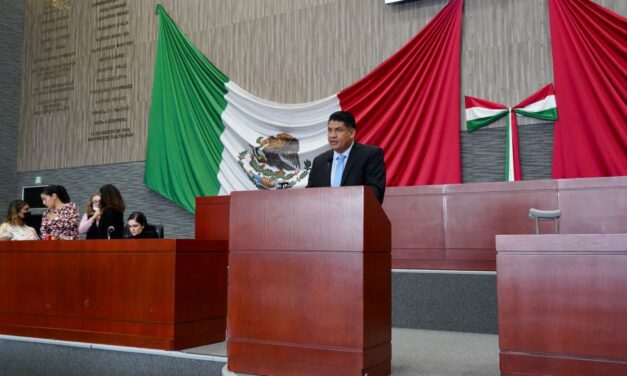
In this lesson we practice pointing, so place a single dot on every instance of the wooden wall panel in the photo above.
(477, 212)
(281, 50)
(506, 51)
(454, 226)
(410, 242)
(593, 206)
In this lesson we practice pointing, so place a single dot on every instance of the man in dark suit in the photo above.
(348, 163)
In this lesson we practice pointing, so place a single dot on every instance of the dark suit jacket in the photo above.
(149, 232)
(110, 217)
(365, 166)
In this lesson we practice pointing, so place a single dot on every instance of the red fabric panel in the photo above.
(470, 102)
(515, 149)
(538, 95)
(409, 105)
(589, 62)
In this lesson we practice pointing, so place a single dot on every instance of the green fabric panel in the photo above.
(550, 114)
(184, 148)
(473, 125)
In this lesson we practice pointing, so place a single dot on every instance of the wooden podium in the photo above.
(212, 218)
(309, 283)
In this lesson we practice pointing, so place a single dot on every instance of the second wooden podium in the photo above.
(309, 283)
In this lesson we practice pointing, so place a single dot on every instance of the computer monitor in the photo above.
(32, 195)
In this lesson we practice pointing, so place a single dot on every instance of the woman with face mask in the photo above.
(60, 220)
(91, 218)
(14, 227)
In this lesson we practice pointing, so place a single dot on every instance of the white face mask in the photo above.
(95, 207)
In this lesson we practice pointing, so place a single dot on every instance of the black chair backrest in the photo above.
(158, 229)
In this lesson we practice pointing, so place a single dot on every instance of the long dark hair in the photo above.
(58, 190)
(13, 217)
(110, 197)
(138, 217)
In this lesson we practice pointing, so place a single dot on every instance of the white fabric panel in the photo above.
(246, 118)
(474, 113)
(541, 105)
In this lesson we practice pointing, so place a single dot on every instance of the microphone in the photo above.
(282, 184)
(109, 232)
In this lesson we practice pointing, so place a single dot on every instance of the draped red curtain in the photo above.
(410, 104)
(590, 63)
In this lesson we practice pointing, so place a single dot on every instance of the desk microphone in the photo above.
(109, 232)
(282, 184)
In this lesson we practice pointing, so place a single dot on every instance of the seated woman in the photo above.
(111, 222)
(60, 220)
(139, 227)
(89, 222)
(13, 227)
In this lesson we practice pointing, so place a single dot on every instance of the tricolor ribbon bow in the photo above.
(480, 112)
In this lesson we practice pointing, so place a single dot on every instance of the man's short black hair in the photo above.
(345, 117)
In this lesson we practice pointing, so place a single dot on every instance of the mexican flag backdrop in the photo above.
(208, 136)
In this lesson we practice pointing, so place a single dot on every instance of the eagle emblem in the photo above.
(274, 162)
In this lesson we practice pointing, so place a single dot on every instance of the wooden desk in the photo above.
(562, 302)
(156, 293)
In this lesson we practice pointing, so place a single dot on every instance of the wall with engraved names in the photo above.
(88, 64)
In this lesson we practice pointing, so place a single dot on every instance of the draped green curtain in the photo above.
(478, 124)
(550, 115)
(187, 102)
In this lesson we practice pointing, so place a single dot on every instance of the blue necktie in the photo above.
(339, 170)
